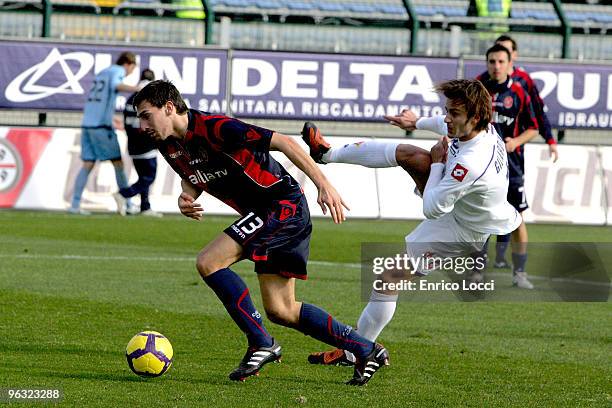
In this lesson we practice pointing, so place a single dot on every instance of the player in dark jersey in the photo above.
(515, 121)
(231, 160)
(143, 153)
(519, 75)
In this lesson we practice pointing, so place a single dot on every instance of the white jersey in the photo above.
(473, 183)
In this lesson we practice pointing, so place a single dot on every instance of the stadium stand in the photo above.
(378, 27)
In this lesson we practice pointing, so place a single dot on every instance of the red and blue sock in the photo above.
(234, 294)
(322, 326)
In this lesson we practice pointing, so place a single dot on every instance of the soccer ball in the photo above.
(149, 354)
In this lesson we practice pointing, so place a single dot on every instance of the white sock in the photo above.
(368, 154)
(374, 317)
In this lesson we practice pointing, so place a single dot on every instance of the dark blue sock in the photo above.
(501, 247)
(518, 262)
(322, 326)
(234, 294)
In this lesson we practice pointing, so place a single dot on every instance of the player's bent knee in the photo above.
(282, 316)
(412, 156)
(206, 264)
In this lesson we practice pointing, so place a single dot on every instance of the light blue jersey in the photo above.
(100, 106)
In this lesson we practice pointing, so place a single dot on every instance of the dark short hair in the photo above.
(498, 48)
(157, 93)
(126, 58)
(471, 94)
(147, 75)
(505, 37)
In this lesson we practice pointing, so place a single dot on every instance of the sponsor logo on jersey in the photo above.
(288, 210)
(501, 119)
(459, 172)
(202, 177)
(202, 159)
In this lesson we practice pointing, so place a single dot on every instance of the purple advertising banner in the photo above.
(335, 87)
(50, 76)
(576, 95)
(57, 76)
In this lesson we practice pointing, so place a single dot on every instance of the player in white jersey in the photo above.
(464, 187)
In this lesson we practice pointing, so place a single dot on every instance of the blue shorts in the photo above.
(277, 239)
(99, 144)
(516, 196)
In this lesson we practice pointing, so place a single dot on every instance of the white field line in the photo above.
(69, 257)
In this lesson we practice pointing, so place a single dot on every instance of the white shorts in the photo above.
(443, 238)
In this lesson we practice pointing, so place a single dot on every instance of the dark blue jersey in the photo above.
(230, 160)
(522, 77)
(138, 142)
(512, 115)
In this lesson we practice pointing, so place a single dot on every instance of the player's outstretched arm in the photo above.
(186, 201)
(409, 121)
(328, 198)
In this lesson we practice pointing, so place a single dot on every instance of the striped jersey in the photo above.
(512, 115)
(524, 79)
(231, 161)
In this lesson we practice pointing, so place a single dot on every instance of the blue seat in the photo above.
(299, 5)
(542, 15)
(548, 15)
(361, 8)
(453, 11)
(576, 16)
(329, 6)
(236, 3)
(425, 10)
(268, 4)
(391, 9)
(519, 13)
(602, 18)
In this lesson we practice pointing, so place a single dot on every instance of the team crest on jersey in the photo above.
(508, 102)
(459, 172)
(203, 157)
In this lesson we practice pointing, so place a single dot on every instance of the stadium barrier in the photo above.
(38, 167)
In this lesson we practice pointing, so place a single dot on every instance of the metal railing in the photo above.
(155, 22)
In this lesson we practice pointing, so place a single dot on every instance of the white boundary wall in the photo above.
(38, 167)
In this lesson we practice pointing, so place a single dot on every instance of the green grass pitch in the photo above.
(74, 290)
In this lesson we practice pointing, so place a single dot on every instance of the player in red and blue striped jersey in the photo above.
(521, 76)
(231, 160)
(514, 119)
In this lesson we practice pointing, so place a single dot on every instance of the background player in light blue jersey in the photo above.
(98, 138)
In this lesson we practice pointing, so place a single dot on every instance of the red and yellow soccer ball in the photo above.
(149, 354)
